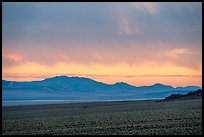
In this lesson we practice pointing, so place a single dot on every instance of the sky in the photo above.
(140, 43)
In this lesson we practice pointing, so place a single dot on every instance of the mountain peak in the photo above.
(56, 78)
(120, 83)
(65, 77)
(158, 84)
(123, 85)
(62, 76)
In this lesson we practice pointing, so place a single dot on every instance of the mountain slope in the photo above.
(155, 88)
(124, 86)
(63, 83)
(191, 95)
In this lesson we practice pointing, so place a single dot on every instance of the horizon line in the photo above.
(101, 82)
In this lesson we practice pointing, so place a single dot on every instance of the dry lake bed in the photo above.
(149, 117)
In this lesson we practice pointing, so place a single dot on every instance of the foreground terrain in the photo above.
(150, 117)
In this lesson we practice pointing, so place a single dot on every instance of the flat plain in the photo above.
(149, 117)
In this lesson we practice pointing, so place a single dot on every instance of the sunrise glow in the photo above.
(137, 43)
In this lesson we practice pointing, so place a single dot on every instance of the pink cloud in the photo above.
(12, 57)
(125, 23)
(107, 53)
(126, 28)
(150, 7)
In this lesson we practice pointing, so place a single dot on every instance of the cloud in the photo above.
(11, 60)
(135, 75)
(133, 53)
(150, 7)
(126, 27)
(104, 34)
(12, 57)
(126, 24)
(20, 76)
(181, 51)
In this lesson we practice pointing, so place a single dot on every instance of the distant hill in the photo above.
(65, 83)
(80, 88)
(156, 87)
(123, 86)
(191, 95)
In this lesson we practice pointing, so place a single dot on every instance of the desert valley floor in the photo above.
(150, 117)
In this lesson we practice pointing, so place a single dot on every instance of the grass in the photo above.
(124, 117)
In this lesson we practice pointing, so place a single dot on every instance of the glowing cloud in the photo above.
(131, 74)
(138, 43)
(182, 51)
(150, 7)
(13, 57)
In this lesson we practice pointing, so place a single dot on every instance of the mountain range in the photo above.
(86, 89)
(65, 83)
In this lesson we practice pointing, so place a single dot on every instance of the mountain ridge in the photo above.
(85, 84)
(191, 95)
(84, 89)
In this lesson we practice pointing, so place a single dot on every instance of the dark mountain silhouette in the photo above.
(191, 95)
